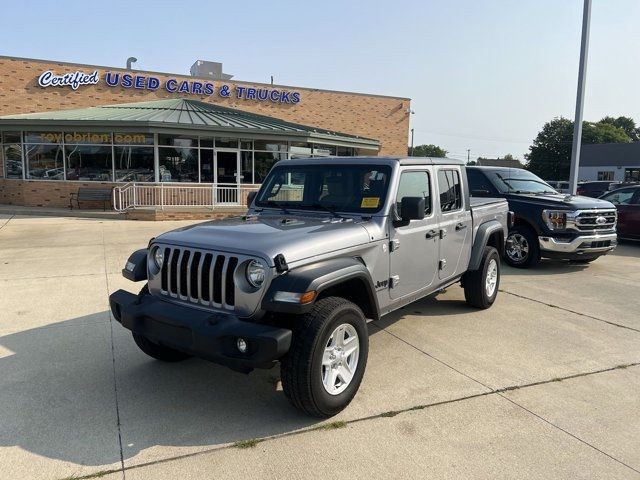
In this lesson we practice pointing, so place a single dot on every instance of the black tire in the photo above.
(475, 282)
(157, 351)
(528, 238)
(301, 368)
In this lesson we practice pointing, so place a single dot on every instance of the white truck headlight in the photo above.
(158, 257)
(256, 273)
(555, 219)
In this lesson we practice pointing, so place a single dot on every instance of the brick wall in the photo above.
(383, 118)
(43, 193)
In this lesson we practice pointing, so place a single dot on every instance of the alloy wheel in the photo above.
(340, 359)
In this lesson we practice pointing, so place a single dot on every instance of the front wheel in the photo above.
(481, 286)
(521, 247)
(323, 369)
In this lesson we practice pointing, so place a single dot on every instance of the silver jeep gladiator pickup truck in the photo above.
(326, 246)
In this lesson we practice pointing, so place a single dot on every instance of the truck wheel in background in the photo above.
(159, 352)
(323, 369)
(522, 249)
(481, 286)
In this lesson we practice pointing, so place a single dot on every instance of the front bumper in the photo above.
(584, 245)
(209, 335)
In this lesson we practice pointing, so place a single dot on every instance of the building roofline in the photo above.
(200, 78)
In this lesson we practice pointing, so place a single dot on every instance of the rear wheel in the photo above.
(522, 249)
(481, 286)
(157, 351)
(323, 369)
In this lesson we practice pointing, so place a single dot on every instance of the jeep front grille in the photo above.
(587, 220)
(200, 277)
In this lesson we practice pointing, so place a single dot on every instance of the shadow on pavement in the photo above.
(57, 394)
(57, 397)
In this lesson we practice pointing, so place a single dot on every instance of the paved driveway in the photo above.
(546, 384)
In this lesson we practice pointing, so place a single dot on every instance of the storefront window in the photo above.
(206, 165)
(324, 151)
(43, 137)
(270, 145)
(177, 141)
(226, 142)
(44, 162)
(87, 138)
(345, 152)
(134, 164)
(127, 138)
(246, 167)
(12, 155)
(89, 163)
(178, 164)
(206, 142)
(263, 162)
(299, 151)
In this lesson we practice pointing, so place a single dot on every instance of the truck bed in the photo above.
(487, 209)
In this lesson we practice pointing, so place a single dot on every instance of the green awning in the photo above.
(181, 114)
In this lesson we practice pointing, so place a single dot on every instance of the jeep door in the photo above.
(413, 256)
(455, 223)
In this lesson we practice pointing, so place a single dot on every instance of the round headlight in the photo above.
(256, 272)
(158, 257)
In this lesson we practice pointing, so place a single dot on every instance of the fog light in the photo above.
(242, 345)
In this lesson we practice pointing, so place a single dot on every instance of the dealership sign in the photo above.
(77, 79)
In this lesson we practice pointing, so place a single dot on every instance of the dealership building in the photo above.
(619, 162)
(68, 126)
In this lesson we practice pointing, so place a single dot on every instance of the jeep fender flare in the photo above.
(320, 277)
(484, 233)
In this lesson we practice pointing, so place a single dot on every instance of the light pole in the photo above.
(411, 154)
(582, 73)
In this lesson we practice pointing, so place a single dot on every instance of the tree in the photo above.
(625, 123)
(550, 155)
(428, 151)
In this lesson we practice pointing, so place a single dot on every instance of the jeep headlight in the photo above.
(555, 219)
(158, 257)
(256, 273)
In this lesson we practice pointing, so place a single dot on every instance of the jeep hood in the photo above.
(561, 201)
(296, 237)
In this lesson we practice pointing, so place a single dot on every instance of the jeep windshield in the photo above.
(360, 189)
(519, 181)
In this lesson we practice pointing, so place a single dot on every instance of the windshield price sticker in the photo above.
(370, 202)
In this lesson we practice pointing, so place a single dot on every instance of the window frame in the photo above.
(430, 177)
(462, 199)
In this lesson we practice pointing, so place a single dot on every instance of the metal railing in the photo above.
(167, 195)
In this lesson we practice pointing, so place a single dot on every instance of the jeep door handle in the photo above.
(460, 226)
(431, 234)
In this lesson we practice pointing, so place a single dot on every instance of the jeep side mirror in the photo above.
(412, 208)
(480, 193)
(250, 197)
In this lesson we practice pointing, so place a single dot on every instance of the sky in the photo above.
(483, 75)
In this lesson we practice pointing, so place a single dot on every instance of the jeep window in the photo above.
(414, 184)
(341, 188)
(519, 181)
(450, 190)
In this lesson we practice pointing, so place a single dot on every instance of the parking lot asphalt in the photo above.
(545, 384)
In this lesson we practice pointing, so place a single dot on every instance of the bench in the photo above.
(87, 194)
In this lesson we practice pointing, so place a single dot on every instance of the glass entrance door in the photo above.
(227, 175)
